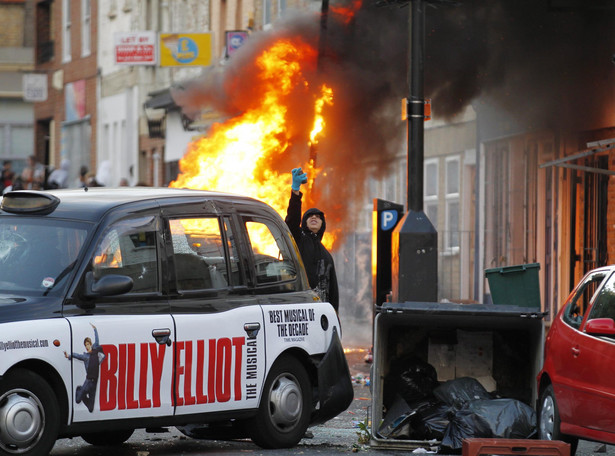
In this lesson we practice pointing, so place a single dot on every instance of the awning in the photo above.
(160, 99)
(593, 148)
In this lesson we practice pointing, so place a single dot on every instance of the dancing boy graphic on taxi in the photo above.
(92, 359)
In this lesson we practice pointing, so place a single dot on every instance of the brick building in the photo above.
(16, 59)
(66, 51)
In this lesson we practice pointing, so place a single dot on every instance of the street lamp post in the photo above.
(415, 240)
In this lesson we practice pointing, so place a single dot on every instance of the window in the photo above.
(236, 277)
(43, 24)
(431, 211)
(452, 228)
(199, 254)
(604, 306)
(281, 8)
(272, 259)
(37, 255)
(66, 25)
(577, 305)
(21, 138)
(402, 190)
(430, 198)
(76, 144)
(129, 248)
(149, 15)
(86, 27)
(266, 14)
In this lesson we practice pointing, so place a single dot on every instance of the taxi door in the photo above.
(121, 354)
(219, 353)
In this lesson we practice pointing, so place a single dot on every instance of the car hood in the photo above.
(19, 308)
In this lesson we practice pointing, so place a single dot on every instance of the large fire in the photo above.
(236, 155)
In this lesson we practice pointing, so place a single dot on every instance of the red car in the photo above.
(576, 385)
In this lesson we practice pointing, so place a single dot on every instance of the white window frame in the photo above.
(451, 198)
(66, 31)
(86, 27)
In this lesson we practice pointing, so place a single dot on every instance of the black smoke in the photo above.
(543, 65)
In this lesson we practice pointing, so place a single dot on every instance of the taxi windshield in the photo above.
(37, 255)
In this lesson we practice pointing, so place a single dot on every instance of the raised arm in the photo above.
(293, 212)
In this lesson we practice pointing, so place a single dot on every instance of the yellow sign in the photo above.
(185, 49)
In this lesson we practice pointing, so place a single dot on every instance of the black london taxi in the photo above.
(129, 308)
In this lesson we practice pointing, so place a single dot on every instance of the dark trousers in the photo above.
(87, 393)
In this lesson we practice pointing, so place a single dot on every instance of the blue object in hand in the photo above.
(299, 177)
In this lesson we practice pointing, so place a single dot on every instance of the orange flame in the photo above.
(347, 12)
(319, 120)
(234, 156)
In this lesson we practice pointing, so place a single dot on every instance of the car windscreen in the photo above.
(37, 255)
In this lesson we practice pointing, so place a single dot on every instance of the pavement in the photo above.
(348, 429)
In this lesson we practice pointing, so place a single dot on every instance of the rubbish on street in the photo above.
(452, 411)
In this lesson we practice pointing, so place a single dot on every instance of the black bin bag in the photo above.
(491, 418)
(411, 378)
(507, 418)
(460, 391)
(431, 420)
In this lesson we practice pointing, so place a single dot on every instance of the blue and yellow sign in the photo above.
(185, 49)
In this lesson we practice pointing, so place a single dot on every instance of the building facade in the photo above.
(66, 52)
(16, 59)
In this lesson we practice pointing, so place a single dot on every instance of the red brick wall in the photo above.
(77, 69)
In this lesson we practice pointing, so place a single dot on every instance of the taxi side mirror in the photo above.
(109, 285)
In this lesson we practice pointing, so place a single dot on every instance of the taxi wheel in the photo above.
(549, 420)
(29, 414)
(284, 412)
(109, 438)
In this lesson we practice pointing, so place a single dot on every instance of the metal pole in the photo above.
(322, 42)
(414, 239)
(477, 212)
(322, 46)
(416, 108)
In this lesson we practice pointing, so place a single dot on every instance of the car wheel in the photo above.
(549, 420)
(109, 438)
(29, 414)
(284, 412)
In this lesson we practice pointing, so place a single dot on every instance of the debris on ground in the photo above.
(418, 407)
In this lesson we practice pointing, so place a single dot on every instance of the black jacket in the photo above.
(317, 260)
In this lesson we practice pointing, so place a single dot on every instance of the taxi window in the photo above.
(272, 259)
(579, 303)
(129, 248)
(604, 305)
(37, 255)
(199, 253)
(236, 277)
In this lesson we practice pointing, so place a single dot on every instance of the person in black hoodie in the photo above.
(308, 232)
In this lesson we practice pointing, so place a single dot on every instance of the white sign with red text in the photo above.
(135, 48)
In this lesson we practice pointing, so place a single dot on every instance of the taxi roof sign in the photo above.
(20, 202)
